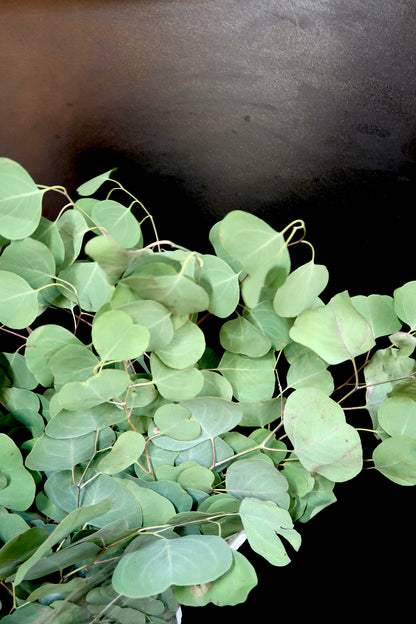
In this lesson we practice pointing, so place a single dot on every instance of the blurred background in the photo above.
(285, 108)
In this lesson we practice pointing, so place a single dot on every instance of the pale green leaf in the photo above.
(240, 336)
(117, 221)
(264, 523)
(252, 379)
(378, 310)
(91, 186)
(397, 416)
(248, 478)
(20, 201)
(309, 370)
(125, 451)
(322, 440)
(231, 588)
(405, 303)
(186, 347)
(175, 384)
(50, 454)
(336, 331)
(161, 282)
(395, 458)
(276, 328)
(164, 562)
(221, 284)
(153, 315)
(30, 259)
(41, 344)
(73, 521)
(18, 489)
(116, 337)
(104, 386)
(300, 289)
(19, 304)
(71, 424)
(85, 284)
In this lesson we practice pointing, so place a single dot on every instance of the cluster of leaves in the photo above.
(132, 452)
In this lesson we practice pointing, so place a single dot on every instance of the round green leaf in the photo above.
(112, 257)
(336, 331)
(240, 336)
(47, 233)
(125, 451)
(18, 372)
(300, 289)
(118, 221)
(231, 588)
(309, 370)
(71, 424)
(116, 337)
(104, 386)
(153, 315)
(264, 522)
(72, 362)
(252, 379)
(85, 284)
(71, 226)
(186, 347)
(322, 440)
(395, 458)
(405, 303)
(260, 250)
(174, 384)
(164, 562)
(18, 489)
(397, 416)
(379, 312)
(20, 201)
(247, 478)
(19, 304)
(175, 421)
(41, 344)
(30, 259)
(276, 328)
(221, 284)
(50, 454)
(160, 282)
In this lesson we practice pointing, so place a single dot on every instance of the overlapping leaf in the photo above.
(164, 562)
(336, 331)
(322, 440)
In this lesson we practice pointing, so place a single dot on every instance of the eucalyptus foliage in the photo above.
(137, 441)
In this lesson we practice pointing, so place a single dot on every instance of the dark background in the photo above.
(288, 109)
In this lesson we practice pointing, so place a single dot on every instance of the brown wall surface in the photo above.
(288, 108)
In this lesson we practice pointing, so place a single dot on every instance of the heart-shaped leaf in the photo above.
(175, 421)
(116, 337)
(164, 562)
